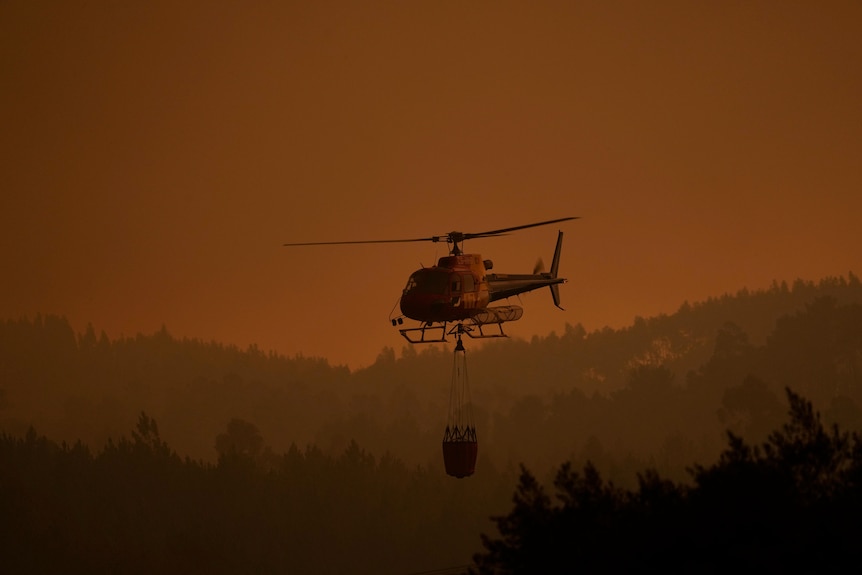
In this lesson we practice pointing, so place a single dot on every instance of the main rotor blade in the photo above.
(451, 237)
(496, 232)
(431, 239)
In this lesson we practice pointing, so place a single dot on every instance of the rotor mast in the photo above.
(454, 239)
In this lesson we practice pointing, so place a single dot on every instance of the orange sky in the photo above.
(156, 155)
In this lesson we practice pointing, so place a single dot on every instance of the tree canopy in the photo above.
(790, 504)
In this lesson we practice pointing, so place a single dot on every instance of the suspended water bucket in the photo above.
(460, 449)
(459, 440)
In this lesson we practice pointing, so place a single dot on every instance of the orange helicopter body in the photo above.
(455, 289)
(459, 288)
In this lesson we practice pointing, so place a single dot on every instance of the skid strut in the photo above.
(473, 327)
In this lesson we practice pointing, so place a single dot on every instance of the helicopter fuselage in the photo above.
(459, 287)
(455, 289)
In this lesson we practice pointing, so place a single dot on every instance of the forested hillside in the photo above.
(661, 390)
(279, 457)
(135, 506)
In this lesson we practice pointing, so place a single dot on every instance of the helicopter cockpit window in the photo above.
(456, 284)
(428, 282)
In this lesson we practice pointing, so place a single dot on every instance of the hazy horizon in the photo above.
(155, 157)
(399, 344)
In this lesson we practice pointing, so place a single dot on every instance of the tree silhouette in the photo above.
(241, 439)
(750, 409)
(792, 503)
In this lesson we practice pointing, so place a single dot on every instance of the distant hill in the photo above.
(662, 389)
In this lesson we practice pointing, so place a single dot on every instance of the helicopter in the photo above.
(454, 296)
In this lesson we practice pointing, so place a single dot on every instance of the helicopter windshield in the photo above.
(427, 282)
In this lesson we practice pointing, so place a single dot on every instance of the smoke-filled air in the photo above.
(430, 287)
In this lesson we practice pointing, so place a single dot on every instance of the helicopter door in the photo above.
(467, 283)
(463, 288)
(468, 291)
(455, 289)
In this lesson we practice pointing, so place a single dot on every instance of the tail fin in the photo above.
(555, 266)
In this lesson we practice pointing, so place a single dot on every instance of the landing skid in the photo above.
(426, 333)
(469, 331)
(436, 333)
